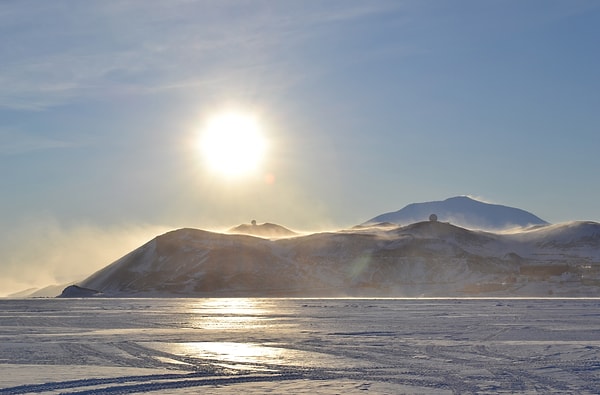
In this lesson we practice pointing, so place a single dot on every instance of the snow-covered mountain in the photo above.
(462, 211)
(429, 258)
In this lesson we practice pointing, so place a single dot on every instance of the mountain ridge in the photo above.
(428, 258)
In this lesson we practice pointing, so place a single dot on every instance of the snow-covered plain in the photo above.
(325, 346)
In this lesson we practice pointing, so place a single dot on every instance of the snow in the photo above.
(325, 346)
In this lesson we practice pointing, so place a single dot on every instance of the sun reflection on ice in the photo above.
(246, 353)
(232, 335)
(228, 314)
(249, 355)
(242, 306)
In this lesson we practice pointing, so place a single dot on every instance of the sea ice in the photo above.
(326, 346)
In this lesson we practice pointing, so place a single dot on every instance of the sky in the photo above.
(365, 107)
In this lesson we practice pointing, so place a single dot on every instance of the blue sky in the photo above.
(367, 107)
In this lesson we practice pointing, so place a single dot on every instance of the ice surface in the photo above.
(325, 346)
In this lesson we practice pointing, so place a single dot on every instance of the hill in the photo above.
(421, 259)
(267, 230)
(462, 211)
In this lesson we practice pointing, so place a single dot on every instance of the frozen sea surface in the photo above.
(295, 346)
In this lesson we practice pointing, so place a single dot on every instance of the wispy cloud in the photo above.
(14, 142)
(102, 49)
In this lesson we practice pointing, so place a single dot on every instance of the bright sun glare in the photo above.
(232, 144)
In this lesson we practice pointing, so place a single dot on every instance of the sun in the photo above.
(232, 144)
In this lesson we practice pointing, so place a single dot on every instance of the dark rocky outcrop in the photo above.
(75, 291)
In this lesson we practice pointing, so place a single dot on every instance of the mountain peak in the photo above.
(462, 198)
(463, 211)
